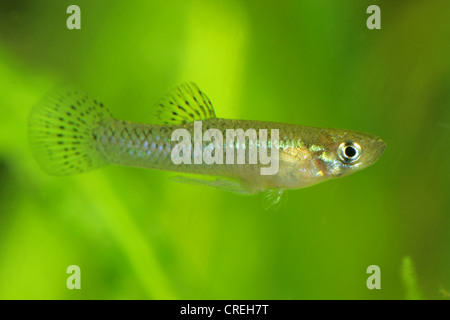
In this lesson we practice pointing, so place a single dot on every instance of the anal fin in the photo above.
(225, 184)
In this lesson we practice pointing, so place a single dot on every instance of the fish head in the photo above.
(337, 152)
(324, 154)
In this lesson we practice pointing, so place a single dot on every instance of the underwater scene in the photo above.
(345, 103)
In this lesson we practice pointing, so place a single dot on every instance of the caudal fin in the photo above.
(61, 131)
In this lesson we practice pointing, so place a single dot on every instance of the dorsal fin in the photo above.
(185, 103)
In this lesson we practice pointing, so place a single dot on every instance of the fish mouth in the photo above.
(380, 145)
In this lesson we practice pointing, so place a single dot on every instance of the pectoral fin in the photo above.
(274, 199)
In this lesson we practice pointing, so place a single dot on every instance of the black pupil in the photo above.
(350, 152)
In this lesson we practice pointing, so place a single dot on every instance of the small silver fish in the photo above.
(71, 132)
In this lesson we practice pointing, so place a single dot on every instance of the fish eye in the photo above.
(349, 152)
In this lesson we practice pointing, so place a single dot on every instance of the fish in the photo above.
(71, 132)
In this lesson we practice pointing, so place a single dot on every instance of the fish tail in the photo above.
(61, 132)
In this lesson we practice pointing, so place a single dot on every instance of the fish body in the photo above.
(70, 132)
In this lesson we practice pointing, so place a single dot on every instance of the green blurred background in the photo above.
(137, 235)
